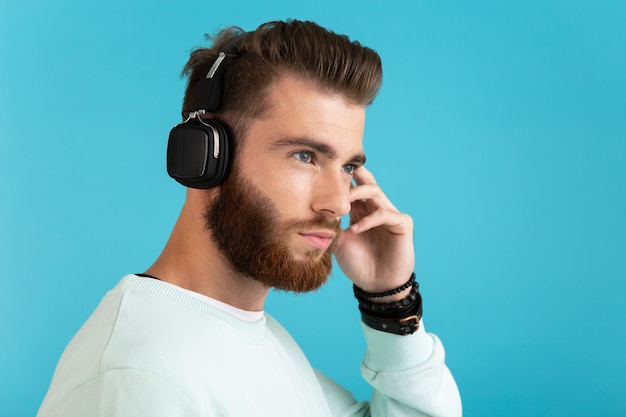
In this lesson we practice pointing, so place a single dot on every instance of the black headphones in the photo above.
(198, 149)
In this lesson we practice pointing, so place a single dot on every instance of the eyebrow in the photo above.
(319, 147)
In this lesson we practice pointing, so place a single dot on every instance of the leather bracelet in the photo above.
(402, 327)
(405, 325)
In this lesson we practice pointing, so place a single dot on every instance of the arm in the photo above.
(121, 393)
(376, 252)
(409, 377)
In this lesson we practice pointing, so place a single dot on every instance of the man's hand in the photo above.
(376, 252)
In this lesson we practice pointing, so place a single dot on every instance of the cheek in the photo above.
(289, 188)
(291, 192)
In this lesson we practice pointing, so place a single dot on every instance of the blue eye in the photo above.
(349, 169)
(304, 156)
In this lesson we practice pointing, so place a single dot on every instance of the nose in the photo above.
(331, 195)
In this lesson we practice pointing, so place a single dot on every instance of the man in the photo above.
(189, 337)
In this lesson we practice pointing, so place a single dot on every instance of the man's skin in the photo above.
(306, 156)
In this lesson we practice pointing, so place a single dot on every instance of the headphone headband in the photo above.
(209, 90)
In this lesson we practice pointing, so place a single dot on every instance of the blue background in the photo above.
(501, 128)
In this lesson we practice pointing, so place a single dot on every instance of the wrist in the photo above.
(393, 294)
(395, 311)
(391, 298)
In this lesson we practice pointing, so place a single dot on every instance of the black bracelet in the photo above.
(404, 322)
(400, 317)
(368, 301)
(404, 326)
(358, 292)
(396, 309)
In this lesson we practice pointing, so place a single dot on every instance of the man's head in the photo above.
(294, 100)
(330, 61)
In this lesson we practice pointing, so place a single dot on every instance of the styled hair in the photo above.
(330, 61)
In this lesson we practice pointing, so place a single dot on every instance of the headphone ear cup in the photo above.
(198, 153)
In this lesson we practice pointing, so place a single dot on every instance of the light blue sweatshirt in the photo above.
(150, 349)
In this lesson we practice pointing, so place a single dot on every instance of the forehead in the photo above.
(297, 108)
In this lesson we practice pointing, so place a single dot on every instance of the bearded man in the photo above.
(270, 151)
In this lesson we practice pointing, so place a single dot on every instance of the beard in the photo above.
(244, 224)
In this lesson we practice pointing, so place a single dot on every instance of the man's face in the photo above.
(276, 218)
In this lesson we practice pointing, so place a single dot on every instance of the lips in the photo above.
(321, 239)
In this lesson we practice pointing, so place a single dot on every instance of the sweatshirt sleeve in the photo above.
(409, 375)
(122, 393)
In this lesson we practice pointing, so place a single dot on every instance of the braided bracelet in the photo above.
(360, 293)
(397, 308)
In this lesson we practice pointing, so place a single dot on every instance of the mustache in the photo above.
(317, 223)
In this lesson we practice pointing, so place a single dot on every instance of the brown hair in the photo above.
(331, 61)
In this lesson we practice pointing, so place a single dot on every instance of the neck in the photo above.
(191, 260)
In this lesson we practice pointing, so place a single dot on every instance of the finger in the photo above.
(370, 194)
(394, 222)
(363, 176)
(365, 192)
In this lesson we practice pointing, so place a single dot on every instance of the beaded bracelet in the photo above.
(358, 292)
